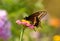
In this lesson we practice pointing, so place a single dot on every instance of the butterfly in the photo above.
(36, 17)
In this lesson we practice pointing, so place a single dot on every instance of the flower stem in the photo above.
(21, 34)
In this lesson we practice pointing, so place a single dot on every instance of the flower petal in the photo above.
(18, 22)
(31, 27)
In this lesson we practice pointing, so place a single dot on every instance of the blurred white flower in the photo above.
(3, 13)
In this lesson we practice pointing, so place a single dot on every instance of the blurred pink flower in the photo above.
(5, 32)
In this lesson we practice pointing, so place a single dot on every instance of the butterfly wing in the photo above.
(34, 18)
(42, 15)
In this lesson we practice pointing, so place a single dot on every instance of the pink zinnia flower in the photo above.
(26, 23)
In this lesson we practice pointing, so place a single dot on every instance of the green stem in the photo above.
(21, 34)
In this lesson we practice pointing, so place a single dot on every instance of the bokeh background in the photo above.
(18, 9)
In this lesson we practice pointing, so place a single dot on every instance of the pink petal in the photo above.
(24, 23)
(18, 22)
(28, 24)
(31, 27)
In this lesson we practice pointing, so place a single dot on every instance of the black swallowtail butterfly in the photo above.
(36, 17)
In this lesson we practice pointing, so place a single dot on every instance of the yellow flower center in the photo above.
(26, 21)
